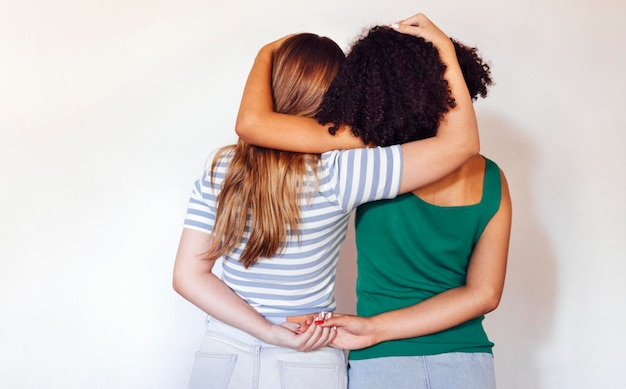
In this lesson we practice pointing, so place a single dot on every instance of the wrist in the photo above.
(376, 329)
(257, 326)
(264, 331)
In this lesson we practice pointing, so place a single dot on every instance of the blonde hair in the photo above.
(262, 186)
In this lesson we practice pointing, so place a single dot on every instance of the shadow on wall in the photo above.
(523, 322)
(345, 293)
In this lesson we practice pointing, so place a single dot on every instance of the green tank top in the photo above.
(410, 250)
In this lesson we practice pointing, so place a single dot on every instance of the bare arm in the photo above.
(480, 295)
(457, 139)
(425, 161)
(258, 124)
(194, 281)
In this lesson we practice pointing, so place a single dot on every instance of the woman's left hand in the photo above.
(353, 332)
(287, 335)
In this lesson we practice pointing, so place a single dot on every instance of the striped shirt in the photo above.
(300, 279)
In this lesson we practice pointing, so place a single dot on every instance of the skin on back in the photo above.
(462, 187)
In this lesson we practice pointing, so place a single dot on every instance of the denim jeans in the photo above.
(231, 358)
(443, 371)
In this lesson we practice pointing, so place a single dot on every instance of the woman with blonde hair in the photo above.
(278, 220)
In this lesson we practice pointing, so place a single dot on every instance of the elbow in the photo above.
(465, 147)
(490, 301)
(491, 305)
(475, 147)
(178, 283)
(467, 150)
(244, 126)
(475, 143)
(472, 146)
(468, 144)
(485, 298)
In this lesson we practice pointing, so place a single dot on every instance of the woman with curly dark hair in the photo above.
(391, 88)
(432, 262)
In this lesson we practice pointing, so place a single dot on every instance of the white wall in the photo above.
(109, 108)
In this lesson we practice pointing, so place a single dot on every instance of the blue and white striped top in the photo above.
(301, 278)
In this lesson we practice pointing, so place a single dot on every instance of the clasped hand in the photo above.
(353, 332)
(289, 335)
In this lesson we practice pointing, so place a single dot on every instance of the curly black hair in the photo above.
(391, 87)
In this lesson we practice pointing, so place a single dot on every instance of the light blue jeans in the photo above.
(443, 371)
(231, 358)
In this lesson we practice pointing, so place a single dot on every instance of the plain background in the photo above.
(108, 110)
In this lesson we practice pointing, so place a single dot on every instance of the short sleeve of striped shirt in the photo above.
(347, 177)
(357, 176)
(202, 206)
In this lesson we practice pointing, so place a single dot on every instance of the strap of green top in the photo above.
(492, 194)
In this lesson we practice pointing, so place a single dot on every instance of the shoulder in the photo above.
(216, 166)
(362, 162)
(217, 162)
(365, 153)
(221, 155)
(497, 172)
(490, 167)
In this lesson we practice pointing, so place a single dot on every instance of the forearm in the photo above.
(211, 295)
(440, 312)
(207, 292)
(258, 124)
(194, 280)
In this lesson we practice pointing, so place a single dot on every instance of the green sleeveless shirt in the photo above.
(410, 250)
